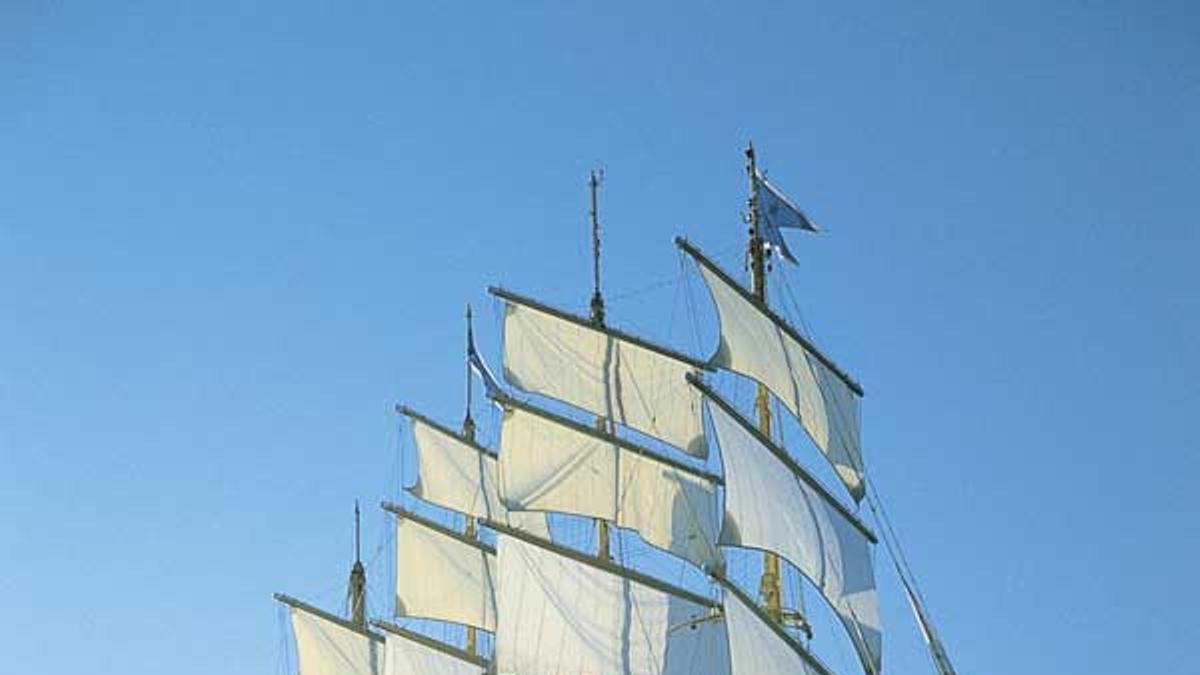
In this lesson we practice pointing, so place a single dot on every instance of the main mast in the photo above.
(769, 585)
(597, 316)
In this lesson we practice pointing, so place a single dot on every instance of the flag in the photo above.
(481, 368)
(776, 212)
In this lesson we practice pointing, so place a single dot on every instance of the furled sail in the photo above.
(409, 653)
(772, 504)
(552, 463)
(757, 343)
(441, 574)
(560, 614)
(459, 475)
(327, 645)
(601, 370)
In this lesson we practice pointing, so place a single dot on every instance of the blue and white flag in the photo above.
(477, 364)
(776, 212)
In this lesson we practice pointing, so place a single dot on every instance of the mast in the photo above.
(597, 304)
(769, 585)
(597, 316)
(468, 433)
(468, 425)
(357, 592)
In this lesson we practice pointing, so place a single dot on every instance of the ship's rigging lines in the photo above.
(642, 469)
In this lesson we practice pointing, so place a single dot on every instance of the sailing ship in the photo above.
(602, 428)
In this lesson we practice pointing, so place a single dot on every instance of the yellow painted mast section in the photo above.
(769, 585)
(468, 433)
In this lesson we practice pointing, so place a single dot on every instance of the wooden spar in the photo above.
(401, 512)
(689, 248)
(436, 645)
(332, 618)
(468, 537)
(785, 458)
(775, 626)
(607, 437)
(603, 565)
(607, 566)
(442, 429)
(661, 350)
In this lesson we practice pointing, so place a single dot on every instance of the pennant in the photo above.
(775, 212)
(480, 367)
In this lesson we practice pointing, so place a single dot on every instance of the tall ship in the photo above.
(645, 511)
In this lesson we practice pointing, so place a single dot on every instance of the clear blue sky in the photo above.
(232, 235)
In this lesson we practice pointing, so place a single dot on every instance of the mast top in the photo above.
(597, 304)
(356, 594)
(468, 425)
(357, 534)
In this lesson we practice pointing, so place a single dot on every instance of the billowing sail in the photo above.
(756, 649)
(462, 476)
(551, 463)
(603, 371)
(771, 504)
(442, 575)
(411, 653)
(326, 645)
(562, 615)
(757, 343)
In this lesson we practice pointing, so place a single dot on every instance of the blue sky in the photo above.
(233, 234)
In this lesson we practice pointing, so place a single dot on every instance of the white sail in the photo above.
(559, 615)
(325, 647)
(548, 463)
(439, 576)
(698, 646)
(457, 475)
(767, 506)
(410, 657)
(760, 346)
(604, 373)
(756, 649)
